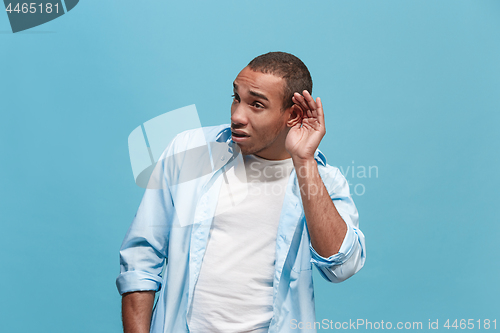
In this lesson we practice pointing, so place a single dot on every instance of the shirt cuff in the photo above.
(137, 281)
(339, 258)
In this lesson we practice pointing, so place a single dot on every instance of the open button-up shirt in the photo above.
(164, 246)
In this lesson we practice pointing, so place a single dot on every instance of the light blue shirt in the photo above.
(173, 222)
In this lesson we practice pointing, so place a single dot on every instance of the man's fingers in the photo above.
(321, 114)
(301, 101)
(311, 108)
(319, 107)
(310, 101)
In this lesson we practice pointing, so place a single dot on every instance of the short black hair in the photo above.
(288, 67)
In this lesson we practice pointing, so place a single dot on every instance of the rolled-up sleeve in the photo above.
(352, 253)
(144, 248)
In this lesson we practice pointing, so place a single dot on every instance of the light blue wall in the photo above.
(410, 88)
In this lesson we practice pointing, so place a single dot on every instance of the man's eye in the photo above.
(235, 97)
(258, 105)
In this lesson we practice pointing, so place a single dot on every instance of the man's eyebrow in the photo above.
(253, 93)
(256, 94)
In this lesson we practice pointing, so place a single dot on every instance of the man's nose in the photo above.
(238, 116)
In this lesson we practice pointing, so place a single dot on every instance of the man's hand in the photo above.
(137, 307)
(302, 141)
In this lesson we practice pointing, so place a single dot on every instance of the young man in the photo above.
(239, 241)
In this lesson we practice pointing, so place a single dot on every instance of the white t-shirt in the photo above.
(234, 291)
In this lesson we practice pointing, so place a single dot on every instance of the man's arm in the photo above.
(137, 307)
(326, 227)
(337, 245)
(143, 253)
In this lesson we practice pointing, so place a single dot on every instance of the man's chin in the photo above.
(245, 150)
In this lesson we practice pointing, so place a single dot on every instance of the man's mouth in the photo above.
(239, 137)
(239, 134)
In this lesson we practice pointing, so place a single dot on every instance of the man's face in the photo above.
(258, 124)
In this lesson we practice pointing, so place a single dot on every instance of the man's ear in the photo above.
(296, 115)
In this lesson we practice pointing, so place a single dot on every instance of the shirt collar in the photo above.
(225, 136)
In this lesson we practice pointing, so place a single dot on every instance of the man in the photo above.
(239, 240)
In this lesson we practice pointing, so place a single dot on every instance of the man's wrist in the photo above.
(304, 167)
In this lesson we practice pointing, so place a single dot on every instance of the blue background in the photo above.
(411, 87)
